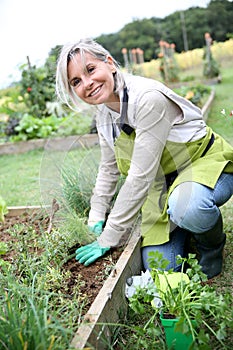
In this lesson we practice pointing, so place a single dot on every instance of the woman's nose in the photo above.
(87, 82)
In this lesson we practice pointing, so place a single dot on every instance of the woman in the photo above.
(178, 172)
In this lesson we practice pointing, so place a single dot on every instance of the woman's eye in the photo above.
(90, 69)
(74, 82)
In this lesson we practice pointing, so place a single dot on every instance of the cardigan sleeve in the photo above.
(106, 183)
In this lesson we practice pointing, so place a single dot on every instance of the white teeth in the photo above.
(95, 92)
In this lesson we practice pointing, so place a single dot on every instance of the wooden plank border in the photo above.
(54, 144)
(31, 209)
(206, 108)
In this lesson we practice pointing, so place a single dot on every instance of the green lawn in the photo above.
(223, 100)
(19, 178)
(33, 178)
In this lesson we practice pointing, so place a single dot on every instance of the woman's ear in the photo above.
(109, 60)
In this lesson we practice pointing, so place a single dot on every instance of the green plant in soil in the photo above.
(27, 323)
(70, 222)
(194, 93)
(38, 312)
(75, 194)
(72, 194)
(190, 301)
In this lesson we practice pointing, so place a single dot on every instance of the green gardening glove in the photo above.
(97, 228)
(90, 253)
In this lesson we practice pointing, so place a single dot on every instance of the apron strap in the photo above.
(125, 127)
(124, 110)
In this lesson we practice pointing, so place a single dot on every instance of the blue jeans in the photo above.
(192, 207)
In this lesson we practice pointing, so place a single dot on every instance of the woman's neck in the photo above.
(114, 105)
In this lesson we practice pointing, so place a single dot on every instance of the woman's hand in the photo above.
(90, 253)
(97, 228)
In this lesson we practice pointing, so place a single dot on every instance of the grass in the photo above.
(223, 100)
(19, 178)
(34, 177)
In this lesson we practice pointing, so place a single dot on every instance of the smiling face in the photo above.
(92, 79)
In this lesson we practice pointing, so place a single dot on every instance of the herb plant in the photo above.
(189, 301)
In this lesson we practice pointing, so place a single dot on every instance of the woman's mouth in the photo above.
(95, 91)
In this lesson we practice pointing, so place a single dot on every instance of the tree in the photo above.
(219, 16)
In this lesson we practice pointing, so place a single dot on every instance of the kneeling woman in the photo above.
(178, 172)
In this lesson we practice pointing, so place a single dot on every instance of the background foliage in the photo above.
(33, 97)
(146, 33)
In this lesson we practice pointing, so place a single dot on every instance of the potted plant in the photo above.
(191, 312)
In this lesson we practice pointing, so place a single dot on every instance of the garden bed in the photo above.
(102, 284)
(100, 269)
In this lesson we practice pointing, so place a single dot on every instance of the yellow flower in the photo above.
(189, 95)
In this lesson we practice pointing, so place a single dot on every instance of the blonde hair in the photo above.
(64, 90)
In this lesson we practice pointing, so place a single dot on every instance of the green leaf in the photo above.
(3, 209)
(3, 248)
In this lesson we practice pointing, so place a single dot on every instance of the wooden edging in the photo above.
(206, 108)
(110, 305)
(31, 209)
(54, 144)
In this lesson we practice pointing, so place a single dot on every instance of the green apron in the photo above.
(180, 162)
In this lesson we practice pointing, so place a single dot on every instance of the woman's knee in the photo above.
(169, 250)
(192, 207)
(180, 202)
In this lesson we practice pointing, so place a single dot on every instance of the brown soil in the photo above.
(92, 276)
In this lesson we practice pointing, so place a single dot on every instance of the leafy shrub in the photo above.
(32, 128)
(18, 125)
(37, 88)
(195, 94)
(31, 98)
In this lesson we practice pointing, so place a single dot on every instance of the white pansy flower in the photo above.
(223, 111)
